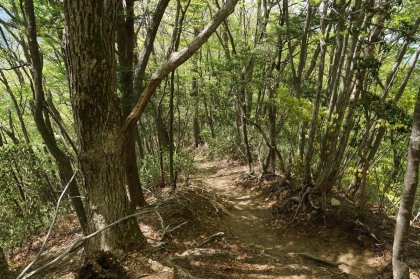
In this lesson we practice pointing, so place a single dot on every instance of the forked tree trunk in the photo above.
(90, 53)
(399, 253)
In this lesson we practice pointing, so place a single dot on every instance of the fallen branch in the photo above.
(167, 229)
(57, 207)
(317, 259)
(213, 237)
(369, 232)
(78, 243)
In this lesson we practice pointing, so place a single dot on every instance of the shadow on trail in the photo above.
(256, 250)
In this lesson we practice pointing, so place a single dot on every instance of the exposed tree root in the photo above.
(305, 195)
(212, 238)
(102, 265)
(199, 253)
(366, 230)
(318, 259)
(247, 178)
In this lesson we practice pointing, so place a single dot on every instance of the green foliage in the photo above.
(249, 53)
(226, 144)
(26, 193)
(296, 109)
(371, 64)
(150, 173)
(393, 116)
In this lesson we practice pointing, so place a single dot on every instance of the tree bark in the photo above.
(399, 252)
(4, 267)
(196, 100)
(90, 53)
(315, 114)
(125, 40)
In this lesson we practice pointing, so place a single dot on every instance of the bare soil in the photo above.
(214, 227)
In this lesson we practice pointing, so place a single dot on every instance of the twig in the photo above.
(176, 227)
(162, 224)
(167, 229)
(49, 230)
(14, 67)
(80, 242)
(210, 239)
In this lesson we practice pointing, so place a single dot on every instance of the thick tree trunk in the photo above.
(161, 129)
(196, 124)
(244, 97)
(90, 53)
(399, 253)
(209, 116)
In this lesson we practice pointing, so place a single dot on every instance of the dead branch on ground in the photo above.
(49, 230)
(79, 243)
(212, 238)
(167, 229)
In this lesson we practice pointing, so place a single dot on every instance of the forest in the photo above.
(209, 139)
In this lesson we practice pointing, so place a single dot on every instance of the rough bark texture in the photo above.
(399, 257)
(90, 53)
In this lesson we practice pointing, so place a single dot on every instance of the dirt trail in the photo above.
(259, 251)
(251, 247)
